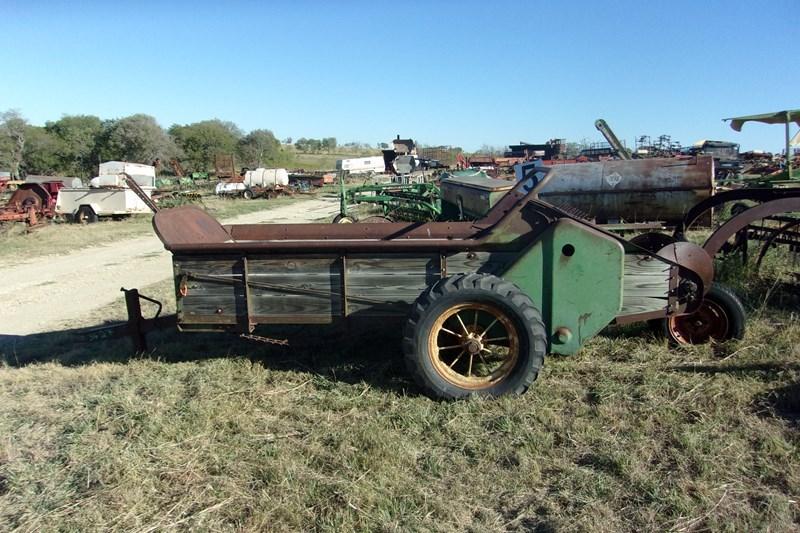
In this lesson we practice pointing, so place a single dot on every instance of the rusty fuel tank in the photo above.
(640, 190)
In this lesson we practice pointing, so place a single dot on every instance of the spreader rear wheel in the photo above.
(474, 334)
(721, 317)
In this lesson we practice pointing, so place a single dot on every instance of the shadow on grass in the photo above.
(783, 402)
(353, 353)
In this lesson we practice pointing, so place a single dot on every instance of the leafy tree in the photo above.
(202, 141)
(259, 148)
(43, 152)
(328, 144)
(12, 140)
(79, 136)
(137, 138)
(301, 144)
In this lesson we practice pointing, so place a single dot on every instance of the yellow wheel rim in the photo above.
(473, 345)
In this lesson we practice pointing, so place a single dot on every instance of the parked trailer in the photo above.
(483, 302)
(108, 194)
(254, 183)
(362, 165)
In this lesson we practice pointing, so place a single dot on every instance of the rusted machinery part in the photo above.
(732, 226)
(692, 257)
(772, 238)
(27, 195)
(721, 317)
(652, 241)
(754, 194)
(131, 183)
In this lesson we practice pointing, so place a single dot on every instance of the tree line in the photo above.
(328, 144)
(75, 144)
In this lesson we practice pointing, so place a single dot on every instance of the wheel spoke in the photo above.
(493, 339)
(457, 358)
(475, 322)
(466, 331)
(487, 329)
(450, 332)
(450, 347)
(469, 370)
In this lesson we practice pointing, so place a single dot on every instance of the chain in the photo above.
(265, 340)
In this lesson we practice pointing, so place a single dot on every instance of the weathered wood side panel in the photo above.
(284, 288)
(645, 284)
(281, 289)
(309, 288)
(210, 302)
(391, 281)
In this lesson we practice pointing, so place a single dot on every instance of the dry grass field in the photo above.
(214, 433)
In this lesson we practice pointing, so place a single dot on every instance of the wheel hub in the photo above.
(709, 322)
(473, 346)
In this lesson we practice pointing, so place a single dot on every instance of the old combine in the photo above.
(483, 302)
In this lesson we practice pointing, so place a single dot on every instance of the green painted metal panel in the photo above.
(575, 274)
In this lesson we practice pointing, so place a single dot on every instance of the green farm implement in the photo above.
(483, 302)
(416, 202)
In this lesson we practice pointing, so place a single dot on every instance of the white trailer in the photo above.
(255, 183)
(107, 194)
(362, 165)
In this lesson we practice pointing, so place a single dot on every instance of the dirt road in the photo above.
(54, 292)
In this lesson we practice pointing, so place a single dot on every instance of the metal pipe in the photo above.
(603, 127)
(788, 140)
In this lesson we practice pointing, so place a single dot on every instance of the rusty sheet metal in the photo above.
(632, 191)
(693, 257)
(192, 230)
(729, 229)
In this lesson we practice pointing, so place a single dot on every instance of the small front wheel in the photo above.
(343, 219)
(721, 317)
(247, 194)
(474, 334)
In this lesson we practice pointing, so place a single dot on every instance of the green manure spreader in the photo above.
(483, 302)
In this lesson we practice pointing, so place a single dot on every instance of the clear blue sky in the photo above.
(459, 73)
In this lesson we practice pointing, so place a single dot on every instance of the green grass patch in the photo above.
(212, 432)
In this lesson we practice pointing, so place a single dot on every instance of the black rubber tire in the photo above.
(478, 288)
(343, 219)
(247, 194)
(726, 299)
(652, 241)
(85, 215)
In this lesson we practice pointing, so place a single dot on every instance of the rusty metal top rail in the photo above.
(191, 229)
